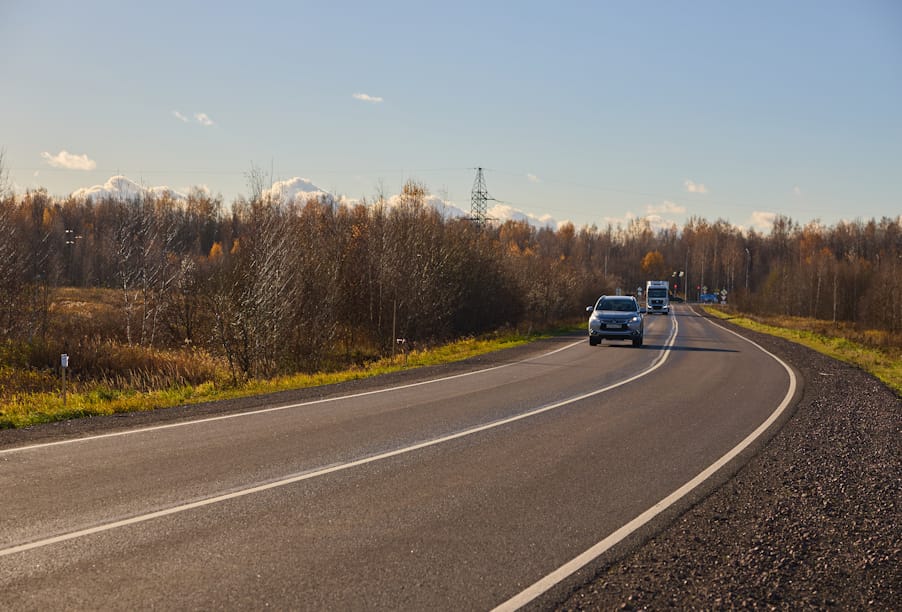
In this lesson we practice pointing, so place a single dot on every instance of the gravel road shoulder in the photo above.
(811, 521)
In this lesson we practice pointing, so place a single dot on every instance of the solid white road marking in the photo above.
(657, 363)
(239, 415)
(577, 563)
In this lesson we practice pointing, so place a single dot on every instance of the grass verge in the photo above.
(883, 363)
(26, 409)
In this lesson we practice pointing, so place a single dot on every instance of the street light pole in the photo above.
(748, 262)
(686, 280)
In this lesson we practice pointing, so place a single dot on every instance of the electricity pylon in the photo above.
(478, 198)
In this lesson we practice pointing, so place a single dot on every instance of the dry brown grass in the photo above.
(86, 313)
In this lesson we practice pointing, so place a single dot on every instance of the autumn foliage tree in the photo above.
(271, 285)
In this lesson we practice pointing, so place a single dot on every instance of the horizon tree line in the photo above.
(276, 286)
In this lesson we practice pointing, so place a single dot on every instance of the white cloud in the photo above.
(533, 178)
(506, 212)
(657, 222)
(444, 207)
(797, 191)
(201, 189)
(496, 214)
(624, 220)
(295, 189)
(69, 161)
(761, 220)
(693, 187)
(666, 207)
(657, 216)
(123, 188)
(201, 118)
(367, 98)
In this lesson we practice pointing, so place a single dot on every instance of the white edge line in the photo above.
(238, 415)
(659, 361)
(577, 563)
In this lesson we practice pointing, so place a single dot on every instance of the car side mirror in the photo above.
(643, 310)
(590, 309)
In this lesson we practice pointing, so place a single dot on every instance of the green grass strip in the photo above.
(884, 366)
(26, 409)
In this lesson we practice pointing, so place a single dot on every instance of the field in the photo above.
(108, 376)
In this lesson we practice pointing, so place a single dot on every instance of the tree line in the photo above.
(273, 286)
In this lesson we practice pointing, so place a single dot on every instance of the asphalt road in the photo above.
(459, 490)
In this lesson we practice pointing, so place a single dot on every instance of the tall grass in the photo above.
(21, 406)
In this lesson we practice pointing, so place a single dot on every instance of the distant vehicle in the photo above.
(657, 296)
(709, 298)
(616, 317)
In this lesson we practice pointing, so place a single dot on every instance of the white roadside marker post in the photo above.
(64, 363)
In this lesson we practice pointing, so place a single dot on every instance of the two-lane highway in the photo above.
(462, 491)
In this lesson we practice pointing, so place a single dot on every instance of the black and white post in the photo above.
(64, 364)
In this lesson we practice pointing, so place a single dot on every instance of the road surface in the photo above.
(458, 491)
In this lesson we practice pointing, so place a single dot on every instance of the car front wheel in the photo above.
(593, 341)
(637, 341)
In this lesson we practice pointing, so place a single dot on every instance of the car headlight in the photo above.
(635, 319)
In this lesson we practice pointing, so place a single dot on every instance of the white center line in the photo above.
(657, 363)
(240, 415)
(574, 565)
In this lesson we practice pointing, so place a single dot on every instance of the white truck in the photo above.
(657, 298)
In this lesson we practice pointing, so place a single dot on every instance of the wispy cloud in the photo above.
(69, 161)
(201, 118)
(693, 187)
(666, 207)
(796, 191)
(367, 98)
(533, 178)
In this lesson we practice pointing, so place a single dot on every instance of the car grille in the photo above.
(615, 323)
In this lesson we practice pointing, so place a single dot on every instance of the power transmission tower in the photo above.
(478, 198)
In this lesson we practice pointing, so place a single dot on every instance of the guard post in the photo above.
(64, 363)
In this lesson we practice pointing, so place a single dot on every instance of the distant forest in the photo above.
(273, 286)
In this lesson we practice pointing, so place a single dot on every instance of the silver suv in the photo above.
(616, 317)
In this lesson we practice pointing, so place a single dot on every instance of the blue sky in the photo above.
(592, 112)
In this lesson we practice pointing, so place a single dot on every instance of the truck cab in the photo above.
(657, 298)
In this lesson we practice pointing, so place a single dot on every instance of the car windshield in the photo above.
(617, 305)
